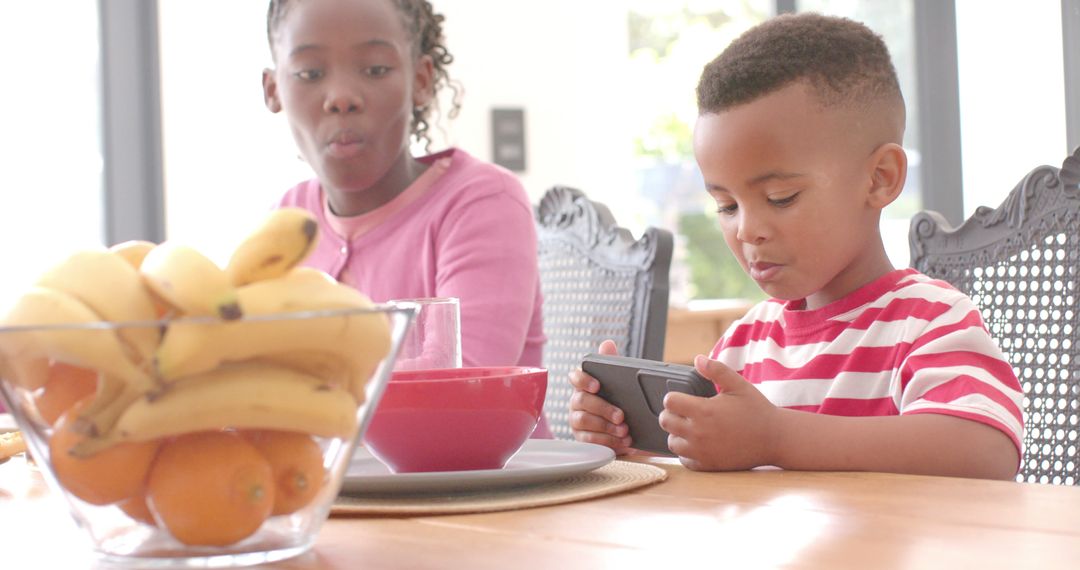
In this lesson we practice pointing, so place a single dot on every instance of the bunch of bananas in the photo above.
(232, 366)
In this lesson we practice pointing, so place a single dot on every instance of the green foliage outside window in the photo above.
(670, 42)
(714, 271)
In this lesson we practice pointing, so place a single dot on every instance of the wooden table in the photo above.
(758, 519)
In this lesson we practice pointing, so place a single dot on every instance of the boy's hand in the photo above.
(734, 430)
(592, 418)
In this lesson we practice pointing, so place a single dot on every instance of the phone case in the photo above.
(638, 387)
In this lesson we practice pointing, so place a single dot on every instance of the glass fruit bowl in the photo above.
(225, 445)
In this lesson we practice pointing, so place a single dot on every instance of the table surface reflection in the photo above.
(757, 519)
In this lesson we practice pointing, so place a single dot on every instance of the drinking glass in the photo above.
(434, 340)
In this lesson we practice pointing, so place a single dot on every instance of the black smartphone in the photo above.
(638, 386)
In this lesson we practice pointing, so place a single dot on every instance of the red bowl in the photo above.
(455, 419)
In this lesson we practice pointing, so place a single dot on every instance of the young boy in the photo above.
(852, 365)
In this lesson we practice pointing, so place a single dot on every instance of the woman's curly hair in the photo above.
(844, 61)
(424, 27)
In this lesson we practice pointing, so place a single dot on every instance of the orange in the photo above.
(297, 462)
(136, 508)
(210, 488)
(106, 477)
(65, 385)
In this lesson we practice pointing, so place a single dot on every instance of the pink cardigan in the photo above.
(471, 235)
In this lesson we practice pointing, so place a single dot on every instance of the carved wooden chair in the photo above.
(598, 283)
(1020, 263)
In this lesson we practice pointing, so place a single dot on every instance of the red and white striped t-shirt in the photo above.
(903, 344)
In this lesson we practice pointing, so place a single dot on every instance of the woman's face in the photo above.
(347, 80)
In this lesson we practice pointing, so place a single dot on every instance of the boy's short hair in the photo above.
(845, 62)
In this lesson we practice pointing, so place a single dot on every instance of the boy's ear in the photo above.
(270, 91)
(423, 81)
(888, 171)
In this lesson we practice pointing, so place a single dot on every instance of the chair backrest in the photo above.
(598, 283)
(1020, 263)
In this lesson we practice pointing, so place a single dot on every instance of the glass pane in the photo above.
(50, 112)
(670, 42)
(894, 21)
(1012, 95)
(227, 158)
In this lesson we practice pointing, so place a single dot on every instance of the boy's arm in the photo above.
(923, 444)
(741, 429)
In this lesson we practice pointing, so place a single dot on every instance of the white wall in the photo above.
(227, 158)
(564, 62)
(50, 156)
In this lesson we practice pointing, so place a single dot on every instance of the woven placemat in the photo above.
(615, 477)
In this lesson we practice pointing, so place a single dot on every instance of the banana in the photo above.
(112, 397)
(301, 289)
(133, 251)
(327, 367)
(359, 341)
(242, 396)
(189, 281)
(28, 373)
(97, 348)
(284, 239)
(334, 369)
(112, 289)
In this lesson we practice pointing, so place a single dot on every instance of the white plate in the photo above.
(7, 423)
(538, 461)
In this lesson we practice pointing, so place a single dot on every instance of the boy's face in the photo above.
(347, 80)
(792, 182)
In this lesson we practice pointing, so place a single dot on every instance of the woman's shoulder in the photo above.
(471, 178)
(307, 194)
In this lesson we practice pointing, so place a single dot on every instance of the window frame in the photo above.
(131, 135)
(131, 115)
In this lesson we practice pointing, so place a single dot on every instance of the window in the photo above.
(894, 20)
(607, 89)
(669, 44)
(226, 157)
(1012, 95)
(50, 109)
